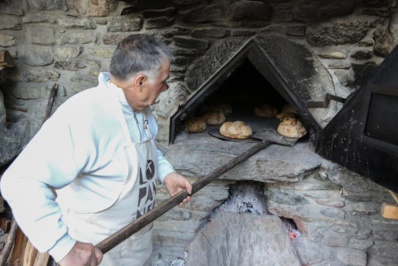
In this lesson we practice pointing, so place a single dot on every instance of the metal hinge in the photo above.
(325, 103)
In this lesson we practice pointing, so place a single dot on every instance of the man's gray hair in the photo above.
(139, 54)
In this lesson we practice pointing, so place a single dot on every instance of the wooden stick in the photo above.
(130, 229)
(5, 253)
(21, 109)
(50, 102)
(127, 231)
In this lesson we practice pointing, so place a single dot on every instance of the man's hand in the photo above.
(82, 254)
(175, 183)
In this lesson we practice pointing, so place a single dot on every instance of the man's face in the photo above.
(149, 90)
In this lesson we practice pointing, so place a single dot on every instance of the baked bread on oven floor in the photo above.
(266, 110)
(236, 130)
(214, 118)
(284, 114)
(195, 125)
(225, 108)
(289, 108)
(291, 128)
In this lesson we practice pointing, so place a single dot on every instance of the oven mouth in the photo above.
(351, 136)
(251, 72)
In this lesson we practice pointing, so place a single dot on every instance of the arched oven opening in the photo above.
(243, 91)
(250, 79)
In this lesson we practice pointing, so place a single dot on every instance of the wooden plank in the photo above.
(19, 249)
(389, 210)
(29, 254)
(42, 259)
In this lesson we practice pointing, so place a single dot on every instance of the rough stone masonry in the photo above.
(69, 42)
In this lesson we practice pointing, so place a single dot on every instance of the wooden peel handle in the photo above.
(130, 229)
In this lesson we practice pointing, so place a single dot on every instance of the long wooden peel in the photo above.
(268, 137)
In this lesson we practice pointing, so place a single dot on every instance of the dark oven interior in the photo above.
(243, 90)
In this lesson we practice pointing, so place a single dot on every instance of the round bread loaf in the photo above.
(236, 130)
(289, 108)
(266, 110)
(284, 114)
(291, 128)
(195, 125)
(224, 108)
(214, 118)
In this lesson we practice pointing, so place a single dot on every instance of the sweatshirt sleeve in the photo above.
(165, 167)
(51, 160)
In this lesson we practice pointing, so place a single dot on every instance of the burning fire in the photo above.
(291, 228)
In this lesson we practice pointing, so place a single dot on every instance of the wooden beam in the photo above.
(389, 210)
(42, 259)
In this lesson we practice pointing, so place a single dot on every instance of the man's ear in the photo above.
(139, 81)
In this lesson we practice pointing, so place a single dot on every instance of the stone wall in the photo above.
(337, 212)
(69, 42)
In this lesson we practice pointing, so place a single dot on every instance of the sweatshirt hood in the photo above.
(104, 81)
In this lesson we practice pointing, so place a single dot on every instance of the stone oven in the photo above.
(300, 205)
(266, 69)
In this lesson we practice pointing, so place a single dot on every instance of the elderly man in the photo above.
(98, 153)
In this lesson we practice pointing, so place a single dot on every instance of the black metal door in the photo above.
(363, 136)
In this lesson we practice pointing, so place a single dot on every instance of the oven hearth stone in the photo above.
(272, 164)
